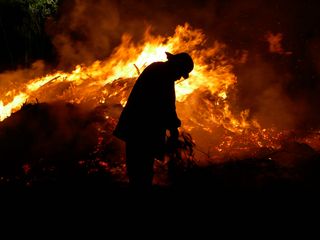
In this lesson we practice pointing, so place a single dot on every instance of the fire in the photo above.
(274, 41)
(203, 99)
(15, 104)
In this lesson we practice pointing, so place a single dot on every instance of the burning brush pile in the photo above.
(58, 128)
(58, 144)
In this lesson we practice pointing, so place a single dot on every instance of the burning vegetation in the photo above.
(59, 124)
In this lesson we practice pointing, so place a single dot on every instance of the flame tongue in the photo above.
(203, 99)
(15, 104)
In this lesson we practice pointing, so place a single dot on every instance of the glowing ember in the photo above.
(275, 43)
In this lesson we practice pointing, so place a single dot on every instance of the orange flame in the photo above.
(205, 93)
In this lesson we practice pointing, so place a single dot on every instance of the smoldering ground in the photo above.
(49, 144)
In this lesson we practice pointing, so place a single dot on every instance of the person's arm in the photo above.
(173, 121)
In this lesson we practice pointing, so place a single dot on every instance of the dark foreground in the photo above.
(62, 153)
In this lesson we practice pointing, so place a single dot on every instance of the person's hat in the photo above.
(184, 60)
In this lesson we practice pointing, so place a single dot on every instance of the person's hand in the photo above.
(174, 134)
(173, 140)
(172, 144)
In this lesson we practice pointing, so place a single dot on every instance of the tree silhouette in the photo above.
(22, 31)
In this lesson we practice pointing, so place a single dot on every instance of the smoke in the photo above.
(314, 50)
(279, 90)
(13, 79)
(85, 31)
(314, 53)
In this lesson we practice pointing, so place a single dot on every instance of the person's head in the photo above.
(182, 63)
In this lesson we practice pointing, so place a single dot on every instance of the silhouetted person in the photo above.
(149, 112)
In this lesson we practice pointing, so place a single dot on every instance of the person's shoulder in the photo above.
(156, 65)
(154, 69)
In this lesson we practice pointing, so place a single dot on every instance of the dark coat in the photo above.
(150, 108)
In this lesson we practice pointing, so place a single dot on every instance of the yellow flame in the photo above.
(14, 105)
(209, 83)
